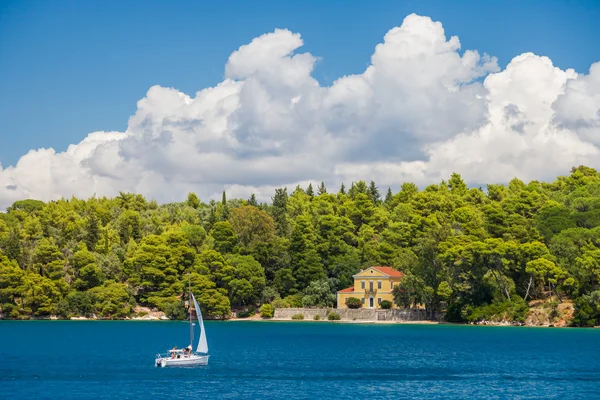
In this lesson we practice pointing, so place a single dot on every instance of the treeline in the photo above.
(473, 253)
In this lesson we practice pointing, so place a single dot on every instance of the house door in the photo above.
(371, 302)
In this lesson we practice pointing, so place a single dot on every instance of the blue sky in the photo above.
(68, 68)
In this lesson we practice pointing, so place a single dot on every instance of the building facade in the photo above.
(371, 286)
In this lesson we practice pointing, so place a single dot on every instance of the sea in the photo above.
(297, 360)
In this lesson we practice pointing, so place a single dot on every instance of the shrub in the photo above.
(294, 300)
(587, 310)
(353, 302)
(280, 303)
(267, 311)
(333, 316)
(317, 317)
(298, 316)
(513, 311)
(247, 313)
(385, 304)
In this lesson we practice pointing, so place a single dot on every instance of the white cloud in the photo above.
(422, 109)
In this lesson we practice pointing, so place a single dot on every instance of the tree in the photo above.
(112, 300)
(279, 212)
(284, 281)
(48, 260)
(409, 292)
(248, 279)
(213, 301)
(353, 302)
(322, 190)
(304, 257)
(389, 196)
(224, 237)
(385, 305)
(546, 272)
(252, 225)
(195, 234)
(11, 286)
(87, 271)
(374, 193)
(310, 191)
(266, 311)
(92, 229)
(193, 200)
(252, 200)
(318, 294)
(457, 185)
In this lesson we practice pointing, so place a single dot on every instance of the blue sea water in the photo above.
(297, 360)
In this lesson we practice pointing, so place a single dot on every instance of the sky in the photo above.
(161, 98)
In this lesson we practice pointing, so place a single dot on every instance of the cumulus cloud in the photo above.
(422, 109)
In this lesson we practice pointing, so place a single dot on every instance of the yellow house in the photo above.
(371, 286)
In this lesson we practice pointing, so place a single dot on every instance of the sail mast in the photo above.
(190, 311)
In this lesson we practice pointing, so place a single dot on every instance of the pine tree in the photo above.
(224, 199)
(374, 193)
(252, 200)
(321, 190)
(279, 211)
(92, 231)
(307, 264)
(342, 189)
(310, 191)
(388, 196)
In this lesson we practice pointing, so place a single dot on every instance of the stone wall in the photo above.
(359, 314)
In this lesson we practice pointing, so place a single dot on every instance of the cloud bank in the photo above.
(422, 109)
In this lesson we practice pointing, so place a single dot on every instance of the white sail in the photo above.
(202, 344)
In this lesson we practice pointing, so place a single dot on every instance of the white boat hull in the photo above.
(186, 361)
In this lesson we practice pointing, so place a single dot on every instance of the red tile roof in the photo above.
(390, 271)
(347, 290)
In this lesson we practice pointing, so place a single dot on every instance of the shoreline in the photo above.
(289, 320)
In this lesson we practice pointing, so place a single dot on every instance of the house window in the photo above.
(371, 285)
(363, 300)
(391, 285)
(371, 271)
(379, 285)
(379, 300)
(362, 284)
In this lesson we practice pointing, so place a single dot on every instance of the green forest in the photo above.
(472, 253)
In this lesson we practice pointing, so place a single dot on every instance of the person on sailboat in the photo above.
(188, 350)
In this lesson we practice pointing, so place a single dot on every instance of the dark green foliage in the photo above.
(386, 304)
(249, 312)
(29, 206)
(298, 317)
(515, 310)
(252, 200)
(587, 310)
(333, 316)
(353, 302)
(475, 255)
(175, 310)
(267, 311)
(279, 212)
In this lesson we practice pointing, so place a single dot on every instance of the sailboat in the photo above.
(186, 357)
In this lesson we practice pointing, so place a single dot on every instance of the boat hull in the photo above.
(190, 361)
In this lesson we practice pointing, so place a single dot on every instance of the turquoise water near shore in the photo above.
(297, 360)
